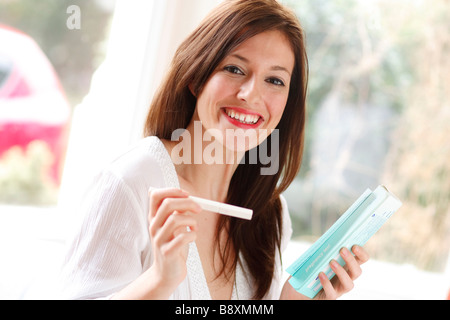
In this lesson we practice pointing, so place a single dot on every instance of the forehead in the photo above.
(272, 48)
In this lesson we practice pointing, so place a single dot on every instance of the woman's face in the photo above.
(248, 91)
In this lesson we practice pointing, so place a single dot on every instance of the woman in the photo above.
(242, 71)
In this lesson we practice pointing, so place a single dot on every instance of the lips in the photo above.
(242, 118)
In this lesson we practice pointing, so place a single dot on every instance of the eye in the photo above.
(275, 81)
(234, 69)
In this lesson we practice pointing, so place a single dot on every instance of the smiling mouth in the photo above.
(244, 118)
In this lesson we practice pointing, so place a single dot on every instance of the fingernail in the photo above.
(345, 252)
(334, 264)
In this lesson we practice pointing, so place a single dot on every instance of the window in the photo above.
(46, 64)
(378, 114)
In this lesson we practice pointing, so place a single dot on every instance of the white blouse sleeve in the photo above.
(107, 251)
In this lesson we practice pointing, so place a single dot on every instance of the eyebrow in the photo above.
(275, 68)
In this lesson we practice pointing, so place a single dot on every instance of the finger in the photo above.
(168, 207)
(178, 243)
(346, 283)
(188, 227)
(156, 197)
(175, 225)
(361, 255)
(353, 267)
(330, 292)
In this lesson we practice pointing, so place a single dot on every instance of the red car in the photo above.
(33, 105)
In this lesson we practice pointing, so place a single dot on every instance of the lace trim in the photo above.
(165, 162)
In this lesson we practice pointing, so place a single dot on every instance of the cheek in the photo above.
(276, 107)
(218, 87)
(215, 90)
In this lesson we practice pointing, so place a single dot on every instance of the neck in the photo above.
(204, 166)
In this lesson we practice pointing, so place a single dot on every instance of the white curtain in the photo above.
(143, 38)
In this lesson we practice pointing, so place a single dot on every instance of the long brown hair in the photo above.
(230, 24)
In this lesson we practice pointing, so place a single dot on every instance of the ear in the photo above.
(191, 89)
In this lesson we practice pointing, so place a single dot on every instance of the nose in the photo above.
(249, 92)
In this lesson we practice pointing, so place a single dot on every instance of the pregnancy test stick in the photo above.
(223, 208)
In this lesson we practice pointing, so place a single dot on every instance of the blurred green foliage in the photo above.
(380, 55)
(75, 54)
(351, 50)
(24, 178)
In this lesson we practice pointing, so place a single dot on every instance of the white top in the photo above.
(111, 247)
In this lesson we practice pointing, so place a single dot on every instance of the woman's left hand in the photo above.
(341, 283)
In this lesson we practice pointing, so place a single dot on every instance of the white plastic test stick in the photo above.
(223, 208)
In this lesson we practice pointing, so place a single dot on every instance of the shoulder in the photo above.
(146, 160)
(145, 164)
(141, 158)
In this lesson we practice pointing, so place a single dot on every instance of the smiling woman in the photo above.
(230, 63)
(142, 236)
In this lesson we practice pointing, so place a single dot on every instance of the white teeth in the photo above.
(244, 118)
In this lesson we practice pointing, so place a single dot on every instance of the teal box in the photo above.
(355, 227)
